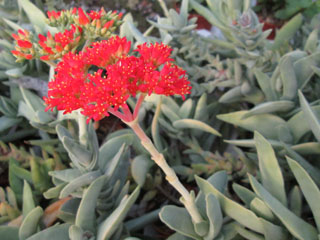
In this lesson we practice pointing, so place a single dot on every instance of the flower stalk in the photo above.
(83, 130)
(188, 198)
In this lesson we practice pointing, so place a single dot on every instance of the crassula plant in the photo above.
(96, 78)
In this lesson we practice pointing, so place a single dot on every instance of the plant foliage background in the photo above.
(246, 139)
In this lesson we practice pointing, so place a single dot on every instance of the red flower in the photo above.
(107, 52)
(24, 48)
(120, 76)
(172, 81)
(54, 47)
(157, 54)
(65, 89)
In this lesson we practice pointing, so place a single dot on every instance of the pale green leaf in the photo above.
(86, 214)
(57, 232)
(308, 187)
(214, 215)
(30, 223)
(140, 167)
(232, 209)
(178, 219)
(270, 107)
(270, 170)
(266, 124)
(287, 31)
(296, 226)
(311, 118)
(110, 225)
(195, 124)
(28, 202)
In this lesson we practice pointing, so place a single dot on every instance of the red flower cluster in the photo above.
(76, 26)
(93, 22)
(24, 48)
(55, 47)
(104, 53)
(119, 76)
(98, 22)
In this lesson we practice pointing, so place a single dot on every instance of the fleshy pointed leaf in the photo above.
(270, 107)
(271, 174)
(296, 226)
(295, 203)
(231, 208)
(266, 124)
(78, 182)
(110, 225)
(30, 223)
(36, 16)
(60, 232)
(195, 124)
(308, 187)
(287, 31)
(272, 231)
(215, 216)
(186, 108)
(86, 214)
(28, 202)
(139, 168)
(311, 118)
(178, 219)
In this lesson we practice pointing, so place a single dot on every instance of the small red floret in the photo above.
(157, 53)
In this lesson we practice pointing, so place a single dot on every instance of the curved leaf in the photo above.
(270, 107)
(311, 118)
(140, 167)
(270, 170)
(308, 187)
(86, 217)
(28, 202)
(299, 126)
(214, 215)
(179, 220)
(232, 209)
(110, 225)
(287, 31)
(59, 232)
(78, 182)
(266, 124)
(29, 225)
(295, 225)
(195, 124)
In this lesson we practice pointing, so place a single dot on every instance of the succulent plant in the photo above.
(268, 210)
(241, 79)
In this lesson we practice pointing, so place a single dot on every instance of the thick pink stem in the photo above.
(117, 114)
(138, 105)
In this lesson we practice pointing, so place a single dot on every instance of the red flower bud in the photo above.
(24, 44)
(83, 19)
(108, 24)
(44, 58)
(15, 36)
